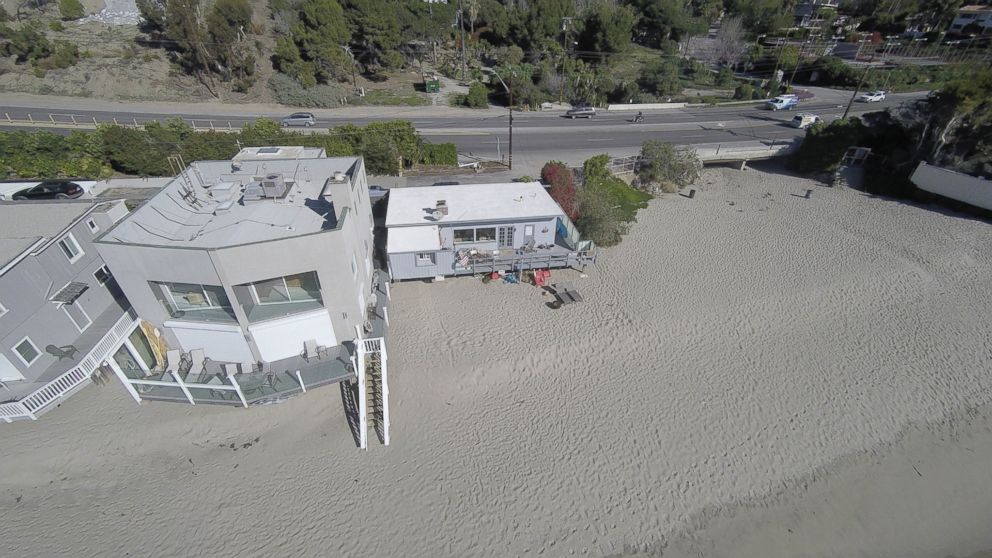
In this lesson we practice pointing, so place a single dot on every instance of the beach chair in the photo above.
(312, 350)
(173, 360)
(198, 363)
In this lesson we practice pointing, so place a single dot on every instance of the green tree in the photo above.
(227, 24)
(153, 12)
(375, 29)
(607, 28)
(661, 76)
(25, 42)
(321, 37)
(71, 9)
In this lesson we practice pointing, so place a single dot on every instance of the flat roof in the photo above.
(470, 203)
(206, 205)
(24, 223)
(413, 239)
(278, 152)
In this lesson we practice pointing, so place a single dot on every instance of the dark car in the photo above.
(50, 190)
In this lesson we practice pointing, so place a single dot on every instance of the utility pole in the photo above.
(564, 52)
(860, 83)
(461, 27)
(509, 90)
(799, 60)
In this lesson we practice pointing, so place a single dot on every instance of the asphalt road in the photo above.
(536, 135)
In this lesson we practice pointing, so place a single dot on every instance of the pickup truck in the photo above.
(782, 102)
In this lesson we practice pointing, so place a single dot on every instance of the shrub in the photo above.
(725, 78)
(66, 54)
(825, 145)
(562, 182)
(25, 42)
(288, 91)
(439, 154)
(56, 26)
(4, 15)
(665, 168)
(743, 91)
(478, 96)
(71, 9)
(606, 203)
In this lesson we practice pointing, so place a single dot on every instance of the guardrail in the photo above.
(60, 120)
(41, 400)
(718, 152)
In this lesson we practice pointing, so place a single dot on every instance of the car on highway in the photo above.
(300, 119)
(50, 190)
(804, 120)
(872, 97)
(581, 112)
(782, 102)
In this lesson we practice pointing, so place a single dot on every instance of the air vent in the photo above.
(338, 176)
(441, 207)
(274, 186)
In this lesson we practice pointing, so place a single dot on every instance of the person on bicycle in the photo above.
(639, 117)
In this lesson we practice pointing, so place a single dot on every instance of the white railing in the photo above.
(68, 383)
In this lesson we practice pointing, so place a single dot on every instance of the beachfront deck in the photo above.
(556, 256)
(265, 382)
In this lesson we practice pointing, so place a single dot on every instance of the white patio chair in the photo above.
(197, 363)
(173, 360)
(310, 350)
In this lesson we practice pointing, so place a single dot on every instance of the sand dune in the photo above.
(733, 345)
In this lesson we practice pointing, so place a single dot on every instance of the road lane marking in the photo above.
(601, 139)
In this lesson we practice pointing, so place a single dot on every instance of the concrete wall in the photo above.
(25, 291)
(954, 185)
(645, 106)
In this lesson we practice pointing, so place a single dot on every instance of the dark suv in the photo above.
(51, 190)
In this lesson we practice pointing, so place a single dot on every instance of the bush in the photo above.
(66, 54)
(25, 42)
(56, 26)
(744, 91)
(661, 76)
(665, 168)
(824, 146)
(606, 203)
(288, 91)
(71, 9)
(439, 154)
(562, 182)
(725, 78)
(478, 96)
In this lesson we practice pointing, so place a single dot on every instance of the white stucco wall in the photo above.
(954, 185)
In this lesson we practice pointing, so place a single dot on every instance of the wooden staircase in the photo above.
(373, 390)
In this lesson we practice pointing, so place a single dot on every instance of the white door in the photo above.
(528, 234)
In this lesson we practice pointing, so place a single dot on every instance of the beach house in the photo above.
(62, 315)
(253, 278)
(477, 228)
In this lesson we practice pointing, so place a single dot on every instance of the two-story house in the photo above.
(61, 313)
(252, 277)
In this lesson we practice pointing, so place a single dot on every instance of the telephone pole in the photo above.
(564, 52)
(509, 90)
(857, 87)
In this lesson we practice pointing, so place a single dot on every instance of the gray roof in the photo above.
(23, 223)
(208, 206)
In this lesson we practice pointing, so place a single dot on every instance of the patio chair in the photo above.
(312, 350)
(247, 367)
(65, 351)
(173, 360)
(198, 363)
(230, 369)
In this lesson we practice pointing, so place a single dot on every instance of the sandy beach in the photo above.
(745, 363)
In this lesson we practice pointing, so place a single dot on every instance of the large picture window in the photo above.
(27, 351)
(464, 235)
(481, 234)
(302, 287)
(193, 301)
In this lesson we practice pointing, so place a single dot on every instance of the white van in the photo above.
(804, 120)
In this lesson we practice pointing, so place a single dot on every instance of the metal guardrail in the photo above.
(61, 120)
(714, 153)
(39, 401)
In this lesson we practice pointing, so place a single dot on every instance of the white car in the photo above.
(873, 97)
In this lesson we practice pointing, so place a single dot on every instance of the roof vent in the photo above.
(338, 176)
(235, 166)
(442, 207)
(274, 186)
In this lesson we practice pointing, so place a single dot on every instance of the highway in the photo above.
(537, 136)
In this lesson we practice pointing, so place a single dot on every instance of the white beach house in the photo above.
(475, 228)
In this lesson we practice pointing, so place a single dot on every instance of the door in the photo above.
(528, 234)
(504, 236)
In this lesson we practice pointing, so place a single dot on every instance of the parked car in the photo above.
(782, 102)
(804, 120)
(50, 190)
(872, 97)
(300, 119)
(581, 112)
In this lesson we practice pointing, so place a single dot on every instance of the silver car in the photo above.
(581, 112)
(300, 119)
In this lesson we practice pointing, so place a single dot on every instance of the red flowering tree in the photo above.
(562, 183)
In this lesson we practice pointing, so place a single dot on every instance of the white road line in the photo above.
(601, 139)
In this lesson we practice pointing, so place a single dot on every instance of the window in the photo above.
(27, 351)
(464, 235)
(425, 259)
(487, 234)
(187, 296)
(94, 228)
(102, 275)
(77, 316)
(71, 248)
(302, 287)
(505, 236)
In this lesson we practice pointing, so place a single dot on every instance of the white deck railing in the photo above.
(71, 381)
